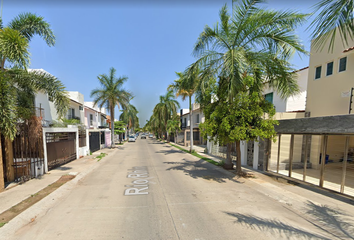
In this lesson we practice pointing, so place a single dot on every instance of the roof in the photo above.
(348, 49)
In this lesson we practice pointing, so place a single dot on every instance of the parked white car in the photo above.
(131, 138)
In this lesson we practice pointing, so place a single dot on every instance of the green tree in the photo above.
(129, 116)
(111, 94)
(173, 126)
(164, 110)
(18, 86)
(335, 17)
(243, 52)
(119, 129)
(185, 86)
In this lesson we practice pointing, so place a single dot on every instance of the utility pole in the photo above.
(351, 100)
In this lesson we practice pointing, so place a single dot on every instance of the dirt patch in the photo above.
(6, 216)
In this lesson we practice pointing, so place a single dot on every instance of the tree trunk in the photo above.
(191, 120)
(112, 126)
(176, 138)
(238, 161)
(2, 182)
(228, 162)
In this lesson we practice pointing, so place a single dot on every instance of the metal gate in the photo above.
(28, 157)
(61, 148)
(82, 138)
(94, 140)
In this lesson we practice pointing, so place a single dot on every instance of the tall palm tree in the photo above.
(335, 17)
(165, 109)
(185, 86)
(173, 126)
(18, 86)
(111, 94)
(251, 42)
(129, 115)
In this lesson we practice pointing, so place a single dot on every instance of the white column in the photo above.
(77, 144)
(243, 146)
(45, 151)
(255, 154)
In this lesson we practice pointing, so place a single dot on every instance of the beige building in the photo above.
(330, 80)
(322, 149)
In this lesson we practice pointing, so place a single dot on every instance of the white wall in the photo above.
(294, 103)
(76, 96)
(41, 100)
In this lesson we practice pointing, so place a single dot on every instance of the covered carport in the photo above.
(301, 143)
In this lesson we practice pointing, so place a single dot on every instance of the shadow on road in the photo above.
(274, 227)
(332, 221)
(200, 169)
(335, 223)
(63, 168)
(167, 152)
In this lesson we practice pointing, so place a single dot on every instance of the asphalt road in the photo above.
(150, 190)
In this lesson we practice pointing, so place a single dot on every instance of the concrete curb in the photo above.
(44, 206)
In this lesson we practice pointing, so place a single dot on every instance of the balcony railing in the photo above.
(73, 117)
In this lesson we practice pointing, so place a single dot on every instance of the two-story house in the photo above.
(197, 118)
(324, 158)
(76, 106)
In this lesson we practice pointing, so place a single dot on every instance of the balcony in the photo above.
(73, 117)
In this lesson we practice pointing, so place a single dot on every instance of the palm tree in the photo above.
(253, 42)
(18, 86)
(129, 115)
(111, 94)
(185, 86)
(335, 17)
(173, 125)
(164, 110)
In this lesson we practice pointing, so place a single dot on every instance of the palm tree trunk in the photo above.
(2, 182)
(112, 126)
(238, 161)
(228, 162)
(191, 120)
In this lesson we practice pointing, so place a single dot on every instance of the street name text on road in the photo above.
(140, 184)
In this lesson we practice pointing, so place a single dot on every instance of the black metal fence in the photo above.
(94, 141)
(61, 148)
(82, 138)
(28, 157)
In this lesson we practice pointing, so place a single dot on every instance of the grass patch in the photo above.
(102, 155)
(6, 216)
(199, 156)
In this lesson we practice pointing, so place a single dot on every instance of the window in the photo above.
(329, 69)
(197, 118)
(71, 113)
(318, 72)
(269, 97)
(91, 119)
(342, 64)
(81, 108)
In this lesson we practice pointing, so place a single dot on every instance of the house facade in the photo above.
(197, 118)
(320, 147)
(76, 106)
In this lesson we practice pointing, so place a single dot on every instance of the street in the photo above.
(150, 190)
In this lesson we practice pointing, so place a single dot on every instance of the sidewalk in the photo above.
(283, 189)
(16, 193)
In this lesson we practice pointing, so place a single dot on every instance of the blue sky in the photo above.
(147, 41)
